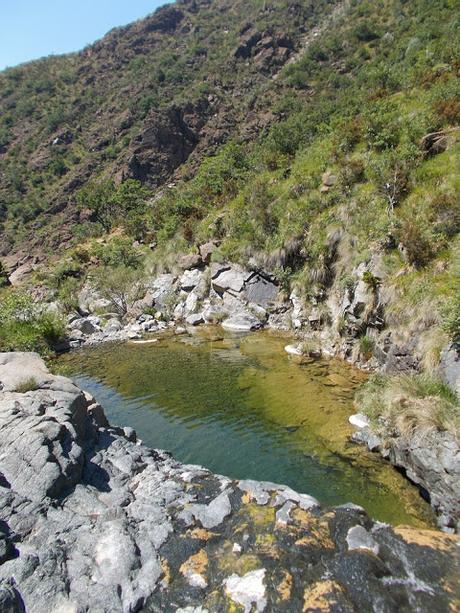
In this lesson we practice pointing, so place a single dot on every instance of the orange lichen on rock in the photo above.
(323, 596)
(284, 588)
(428, 538)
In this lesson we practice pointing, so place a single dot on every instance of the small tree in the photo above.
(100, 199)
(122, 286)
(390, 172)
(110, 204)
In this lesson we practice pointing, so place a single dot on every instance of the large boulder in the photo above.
(450, 366)
(90, 301)
(188, 262)
(162, 289)
(230, 280)
(190, 279)
(84, 325)
(206, 251)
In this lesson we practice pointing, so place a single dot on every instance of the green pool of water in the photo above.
(243, 408)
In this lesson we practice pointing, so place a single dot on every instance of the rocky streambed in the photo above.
(94, 521)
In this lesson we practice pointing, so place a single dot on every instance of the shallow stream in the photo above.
(242, 407)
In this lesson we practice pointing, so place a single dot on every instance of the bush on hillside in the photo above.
(3, 276)
(109, 204)
(119, 251)
(451, 317)
(25, 325)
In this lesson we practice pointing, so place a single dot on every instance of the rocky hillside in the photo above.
(147, 102)
(93, 520)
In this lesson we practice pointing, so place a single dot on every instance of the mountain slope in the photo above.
(139, 103)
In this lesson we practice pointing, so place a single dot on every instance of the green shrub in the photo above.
(27, 385)
(451, 317)
(68, 293)
(68, 268)
(366, 347)
(117, 252)
(365, 32)
(25, 325)
(3, 277)
(371, 280)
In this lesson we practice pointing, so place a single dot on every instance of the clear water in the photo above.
(243, 408)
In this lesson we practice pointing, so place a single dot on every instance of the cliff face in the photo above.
(93, 520)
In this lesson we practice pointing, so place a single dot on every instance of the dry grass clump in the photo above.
(410, 404)
(27, 385)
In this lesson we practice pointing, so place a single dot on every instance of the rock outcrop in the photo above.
(239, 298)
(94, 521)
(430, 459)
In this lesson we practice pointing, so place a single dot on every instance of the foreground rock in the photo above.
(94, 521)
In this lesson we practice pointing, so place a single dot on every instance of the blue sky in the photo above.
(30, 29)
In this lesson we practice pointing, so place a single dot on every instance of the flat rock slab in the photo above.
(93, 521)
(260, 291)
(241, 323)
(232, 279)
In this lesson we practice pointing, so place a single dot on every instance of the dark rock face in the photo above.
(93, 521)
(432, 461)
(165, 19)
(162, 146)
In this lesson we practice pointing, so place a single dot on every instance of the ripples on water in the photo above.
(241, 407)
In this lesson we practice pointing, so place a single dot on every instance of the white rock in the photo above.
(232, 279)
(241, 323)
(293, 350)
(195, 320)
(359, 420)
(191, 304)
(190, 279)
(359, 538)
(248, 591)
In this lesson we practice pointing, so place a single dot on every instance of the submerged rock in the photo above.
(94, 521)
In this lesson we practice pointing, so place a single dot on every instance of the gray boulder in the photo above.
(193, 260)
(84, 325)
(190, 279)
(195, 319)
(231, 280)
(206, 251)
(162, 288)
(450, 366)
